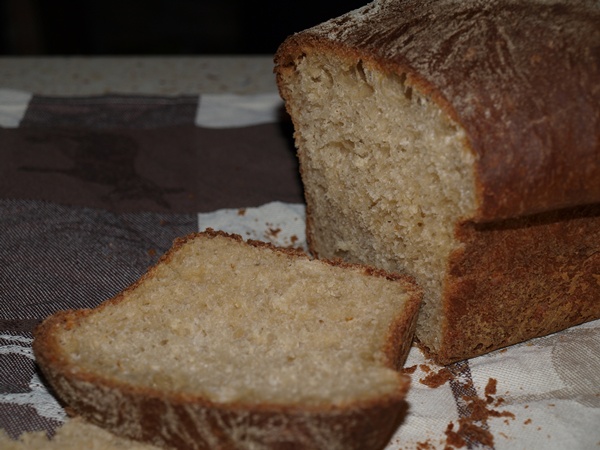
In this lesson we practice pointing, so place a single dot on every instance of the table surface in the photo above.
(138, 75)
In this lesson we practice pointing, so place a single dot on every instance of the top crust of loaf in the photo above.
(522, 77)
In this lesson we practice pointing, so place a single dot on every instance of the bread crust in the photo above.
(522, 78)
(518, 279)
(193, 422)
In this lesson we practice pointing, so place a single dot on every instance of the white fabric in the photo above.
(551, 385)
(230, 110)
(279, 223)
(13, 105)
(38, 396)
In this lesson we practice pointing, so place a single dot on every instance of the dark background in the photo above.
(157, 27)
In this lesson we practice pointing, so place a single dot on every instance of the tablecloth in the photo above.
(94, 189)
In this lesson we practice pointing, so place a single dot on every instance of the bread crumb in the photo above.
(453, 438)
(473, 428)
(273, 232)
(409, 370)
(491, 387)
(424, 446)
(437, 379)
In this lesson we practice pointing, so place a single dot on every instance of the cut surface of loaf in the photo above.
(427, 149)
(234, 344)
(370, 198)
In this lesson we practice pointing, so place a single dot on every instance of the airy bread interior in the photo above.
(246, 324)
(387, 173)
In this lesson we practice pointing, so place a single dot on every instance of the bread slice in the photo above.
(233, 344)
(459, 142)
(74, 434)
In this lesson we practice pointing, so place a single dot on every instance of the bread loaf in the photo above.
(457, 141)
(239, 345)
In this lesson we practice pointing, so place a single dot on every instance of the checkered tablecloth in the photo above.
(94, 189)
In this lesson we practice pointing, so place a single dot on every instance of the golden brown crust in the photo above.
(193, 422)
(197, 424)
(521, 77)
(398, 346)
(519, 279)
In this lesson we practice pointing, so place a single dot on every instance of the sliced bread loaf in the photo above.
(457, 141)
(232, 344)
